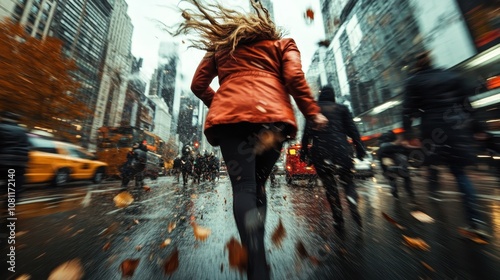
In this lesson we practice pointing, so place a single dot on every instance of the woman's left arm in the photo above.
(202, 78)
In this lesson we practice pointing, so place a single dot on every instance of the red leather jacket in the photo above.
(255, 85)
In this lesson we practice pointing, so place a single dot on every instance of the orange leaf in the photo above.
(70, 270)
(427, 266)
(172, 263)
(24, 277)
(128, 267)
(106, 246)
(238, 257)
(171, 226)
(472, 236)
(200, 233)
(301, 250)
(279, 234)
(166, 243)
(392, 221)
(123, 199)
(417, 243)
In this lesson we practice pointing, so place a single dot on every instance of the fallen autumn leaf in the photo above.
(70, 270)
(128, 267)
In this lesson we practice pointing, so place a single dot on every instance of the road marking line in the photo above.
(147, 200)
(38, 200)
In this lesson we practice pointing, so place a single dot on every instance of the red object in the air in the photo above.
(310, 14)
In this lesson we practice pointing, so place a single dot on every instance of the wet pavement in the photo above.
(80, 221)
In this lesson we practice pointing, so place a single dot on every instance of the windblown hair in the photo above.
(222, 29)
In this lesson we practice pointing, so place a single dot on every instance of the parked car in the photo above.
(57, 163)
(154, 166)
(364, 168)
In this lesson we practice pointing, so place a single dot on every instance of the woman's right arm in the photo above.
(295, 81)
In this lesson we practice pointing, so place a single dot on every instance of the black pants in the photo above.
(131, 173)
(326, 171)
(249, 164)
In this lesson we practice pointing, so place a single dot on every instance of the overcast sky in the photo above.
(147, 36)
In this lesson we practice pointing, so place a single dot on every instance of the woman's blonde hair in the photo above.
(223, 29)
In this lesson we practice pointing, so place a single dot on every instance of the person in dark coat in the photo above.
(440, 98)
(135, 165)
(186, 163)
(177, 168)
(398, 155)
(331, 154)
(14, 154)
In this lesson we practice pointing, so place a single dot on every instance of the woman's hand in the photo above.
(319, 121)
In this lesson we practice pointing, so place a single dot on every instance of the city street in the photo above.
(81, 222)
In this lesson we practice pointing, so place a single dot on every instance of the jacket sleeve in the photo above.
(410, 105)
(295, 81)
(202, 78)
(351, 129)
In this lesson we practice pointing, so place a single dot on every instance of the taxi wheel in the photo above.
(98, 175)
(61, 177)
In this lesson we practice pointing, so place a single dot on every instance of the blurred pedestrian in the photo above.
(393, 159)
(134, 166)
(14, 155)
(176, 168)
(440, 98)
(250, 115)
(331, 154)
(187, 161)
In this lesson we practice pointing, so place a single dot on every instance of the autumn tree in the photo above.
(36, 81)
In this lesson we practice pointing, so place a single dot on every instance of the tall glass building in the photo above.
(83, 27)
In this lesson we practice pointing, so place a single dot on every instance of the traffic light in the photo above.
(196, 144)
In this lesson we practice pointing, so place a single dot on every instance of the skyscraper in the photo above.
(116, 70)
(83, 27)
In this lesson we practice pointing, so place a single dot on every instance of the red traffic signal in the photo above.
(196, 145)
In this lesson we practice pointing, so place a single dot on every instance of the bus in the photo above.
(113, 144)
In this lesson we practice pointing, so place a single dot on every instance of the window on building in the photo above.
(18, 10)
(45, 16)
(21, 2)
(34, 10)
(31, 19)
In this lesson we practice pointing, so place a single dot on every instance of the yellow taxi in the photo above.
(58, 162)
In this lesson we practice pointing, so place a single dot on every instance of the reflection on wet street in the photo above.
(397, 240)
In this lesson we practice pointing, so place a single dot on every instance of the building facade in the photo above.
(372, 44)
(35, 15)
(116, 70)
(162, 118)
(83, 27)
